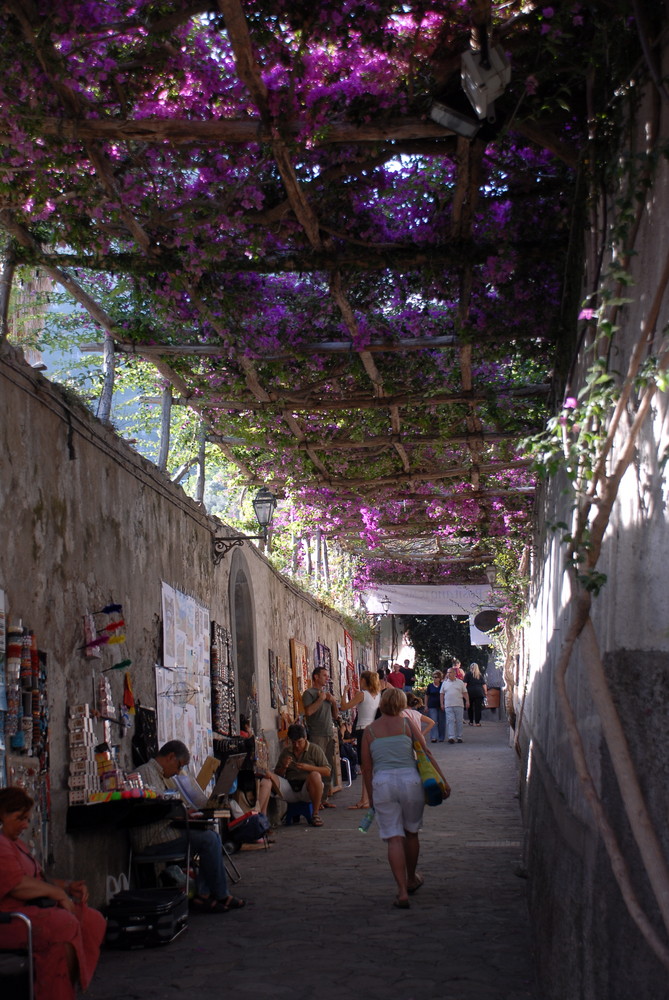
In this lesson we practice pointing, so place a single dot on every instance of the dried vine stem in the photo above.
(582, 627)
(6, 279)
(582, 600)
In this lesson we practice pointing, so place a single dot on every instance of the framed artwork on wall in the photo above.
(285, 695)
(299, 660)
(323, 658)
(274, 693)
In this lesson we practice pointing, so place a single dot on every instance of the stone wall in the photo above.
(86, 521)
(588, 946)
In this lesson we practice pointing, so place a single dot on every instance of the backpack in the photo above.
(248, 828)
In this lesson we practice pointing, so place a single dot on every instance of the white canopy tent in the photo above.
(414, 599)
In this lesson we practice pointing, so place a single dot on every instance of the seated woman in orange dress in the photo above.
(66, 936)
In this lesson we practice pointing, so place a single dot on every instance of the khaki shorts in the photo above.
(289, 795)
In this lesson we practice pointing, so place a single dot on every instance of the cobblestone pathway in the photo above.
(319, 924)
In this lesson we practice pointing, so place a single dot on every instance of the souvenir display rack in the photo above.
(223, 696)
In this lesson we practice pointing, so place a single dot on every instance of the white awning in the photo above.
(414, 599)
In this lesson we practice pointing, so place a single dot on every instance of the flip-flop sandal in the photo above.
(401, 904)
(358, 805)
(328, 805)
(231, 903)
(201, 904)
(419, 882)
(316, 821)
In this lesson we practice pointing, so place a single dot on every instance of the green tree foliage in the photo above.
(437, 638)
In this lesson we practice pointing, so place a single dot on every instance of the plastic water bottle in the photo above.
(367, 821)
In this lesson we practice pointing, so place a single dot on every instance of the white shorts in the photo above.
(399, 801)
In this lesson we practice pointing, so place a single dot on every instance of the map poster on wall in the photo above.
(183, 682)
(299, 660)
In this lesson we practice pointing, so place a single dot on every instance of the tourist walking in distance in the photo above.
(477, 691)
(433, 706)
(453, 693)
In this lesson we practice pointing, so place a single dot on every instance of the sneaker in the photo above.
(433, 741)
(451, 740)
(459, 740)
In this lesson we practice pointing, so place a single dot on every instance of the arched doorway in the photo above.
(242, 626)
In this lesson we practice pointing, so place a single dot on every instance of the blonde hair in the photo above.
(474, 671)
(393, 701)
(372, 680)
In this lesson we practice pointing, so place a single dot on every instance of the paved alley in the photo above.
(319, 921)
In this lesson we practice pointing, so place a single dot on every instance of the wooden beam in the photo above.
(437, 560)
(390, 440)
(317, 347)
(464, 495)
(248, 71)
(457, 253)
(237, 131)
(374, 482)
(375, 403)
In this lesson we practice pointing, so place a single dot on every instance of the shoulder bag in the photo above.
(435, 787)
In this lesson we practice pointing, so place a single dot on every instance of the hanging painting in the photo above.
(274, 695)
(285, 696)
(299, 659)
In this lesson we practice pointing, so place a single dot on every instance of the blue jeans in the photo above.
(454, 721)
(211, 879)
(438, 716)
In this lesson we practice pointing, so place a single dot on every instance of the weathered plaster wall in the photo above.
(588, 946)
(86, 521)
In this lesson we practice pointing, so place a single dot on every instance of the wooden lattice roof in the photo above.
(363, 309)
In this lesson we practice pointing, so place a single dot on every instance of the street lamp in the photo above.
(264, 505)
(385, 604)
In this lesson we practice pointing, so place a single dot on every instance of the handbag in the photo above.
(435, 787)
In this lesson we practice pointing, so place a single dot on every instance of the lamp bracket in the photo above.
(221, 545)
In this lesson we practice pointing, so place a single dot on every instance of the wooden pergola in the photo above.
(413, 443)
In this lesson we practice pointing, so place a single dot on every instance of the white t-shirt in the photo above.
(453, 693)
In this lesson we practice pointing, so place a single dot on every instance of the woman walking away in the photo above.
(395, 790)
(477, 690)
(366, 700)
(433, 706)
